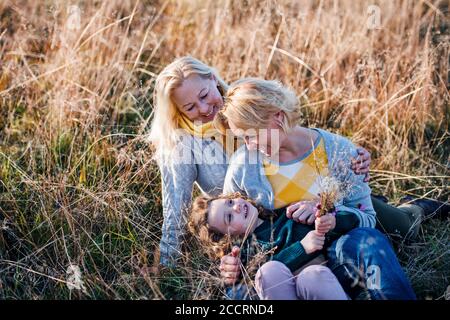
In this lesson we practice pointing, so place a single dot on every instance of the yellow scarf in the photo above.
(208, 131)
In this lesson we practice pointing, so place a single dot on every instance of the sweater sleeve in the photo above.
(358, 202)
(230, 185)
(357, 192)
(234, 173)
(245, 175)
(345, 221)
(177, 179)
(294, 256)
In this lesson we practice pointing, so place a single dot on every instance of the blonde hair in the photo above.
(250, 103)
(163, 134)
(214, 243)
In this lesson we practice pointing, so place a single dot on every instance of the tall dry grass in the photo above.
(77, 184)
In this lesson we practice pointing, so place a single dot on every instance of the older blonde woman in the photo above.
(285, 164)
(189, 150)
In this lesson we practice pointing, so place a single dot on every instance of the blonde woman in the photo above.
(285, 164)
(189, 150)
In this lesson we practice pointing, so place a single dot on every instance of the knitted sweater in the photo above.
(194, 160)
(285, 234)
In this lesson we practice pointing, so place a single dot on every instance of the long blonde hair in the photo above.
(250, 102)
(163, 133)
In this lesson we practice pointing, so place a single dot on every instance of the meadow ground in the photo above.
(80, 202)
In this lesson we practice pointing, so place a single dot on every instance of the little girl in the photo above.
(215, 219)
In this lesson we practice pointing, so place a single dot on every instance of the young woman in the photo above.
(287, 164)
(188, 149)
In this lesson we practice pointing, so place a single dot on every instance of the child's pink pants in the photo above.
(274, 281)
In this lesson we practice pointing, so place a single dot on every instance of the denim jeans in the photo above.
(367, 267)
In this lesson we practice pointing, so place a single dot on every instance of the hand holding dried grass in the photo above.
(329, 195)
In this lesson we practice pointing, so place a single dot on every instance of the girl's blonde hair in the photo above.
(163, 134)
(214, 243)
(250, 103)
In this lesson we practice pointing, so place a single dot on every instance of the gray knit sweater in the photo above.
(194, 160)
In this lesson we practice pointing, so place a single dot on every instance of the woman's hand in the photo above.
(325, 223)
(313, 241)
(302, 211)
(229, 267)
(361, 164)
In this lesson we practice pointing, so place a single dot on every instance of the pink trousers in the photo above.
(274, 281)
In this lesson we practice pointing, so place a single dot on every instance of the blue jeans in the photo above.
(367, 267)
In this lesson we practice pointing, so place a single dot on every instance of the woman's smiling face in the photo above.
(232, 216)
(198, 98)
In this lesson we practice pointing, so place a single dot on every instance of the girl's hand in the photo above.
(313, 241)
(229, 267)
(325, 223)
(303, 211)
(361, 164)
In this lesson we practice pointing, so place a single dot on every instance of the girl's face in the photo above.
(198, 98)
(266, 140)
(232, 216)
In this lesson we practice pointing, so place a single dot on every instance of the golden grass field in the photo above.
(78, 186)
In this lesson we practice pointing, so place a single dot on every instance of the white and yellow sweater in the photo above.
(298, 180)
